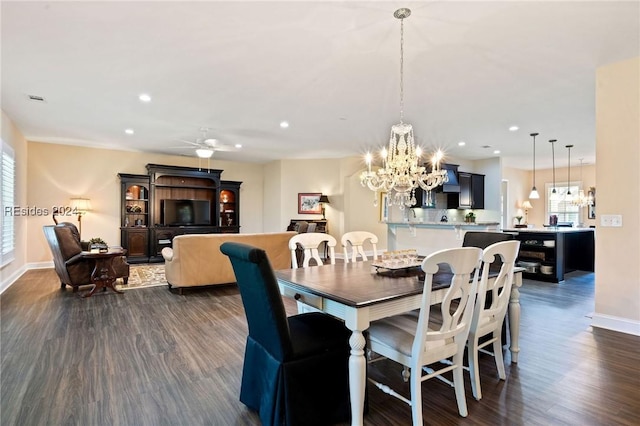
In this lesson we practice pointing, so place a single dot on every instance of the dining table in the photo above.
(359, 293)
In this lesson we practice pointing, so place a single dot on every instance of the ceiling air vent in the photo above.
(36, 98)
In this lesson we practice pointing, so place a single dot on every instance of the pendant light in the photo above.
(534, 192)
(554, 192)
(569, 196)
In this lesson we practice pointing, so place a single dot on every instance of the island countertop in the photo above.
(443, 224)
(560, 229)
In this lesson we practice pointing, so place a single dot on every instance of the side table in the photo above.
(103, 275)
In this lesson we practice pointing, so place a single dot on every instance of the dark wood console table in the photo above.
(103, 275)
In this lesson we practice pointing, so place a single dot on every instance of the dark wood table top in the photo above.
(357, 284)
(353, 284)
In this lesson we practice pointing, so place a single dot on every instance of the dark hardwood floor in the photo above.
(150, 357)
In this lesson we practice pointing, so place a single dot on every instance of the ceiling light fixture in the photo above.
(534, 192)
(204, 153)
(144, 97)
(284, 124)
(569, 196)
(497, 151)
(554, 192)
(401, 172)
(462, 143)
(129, 131)
(238, 145)
(582, 200)
(513, 128)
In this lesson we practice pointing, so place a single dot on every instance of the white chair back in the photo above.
(408, 340)
(309, 242)
(489, 313)
(356, 240)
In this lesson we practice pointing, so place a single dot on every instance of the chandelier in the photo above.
(401, 172)
(582, 200)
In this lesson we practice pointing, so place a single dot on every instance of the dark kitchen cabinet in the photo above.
(471, 195)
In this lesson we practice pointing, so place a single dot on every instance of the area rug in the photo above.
(144, 276)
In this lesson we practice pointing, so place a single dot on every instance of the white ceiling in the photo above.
(331, 69)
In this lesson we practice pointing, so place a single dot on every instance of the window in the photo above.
(561, 207)
(7, 189)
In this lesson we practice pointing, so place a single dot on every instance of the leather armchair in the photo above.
(72, 268)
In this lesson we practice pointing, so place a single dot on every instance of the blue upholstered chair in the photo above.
(295, 369)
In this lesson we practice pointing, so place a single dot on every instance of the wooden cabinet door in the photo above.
(465, 200)
(137, 243)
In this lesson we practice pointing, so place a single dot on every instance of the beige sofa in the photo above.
(196, 259)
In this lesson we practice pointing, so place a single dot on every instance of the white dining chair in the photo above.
(489, 313)
(356, 240)
(408, 340)
(309, 243)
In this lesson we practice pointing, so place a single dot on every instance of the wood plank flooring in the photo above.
(150, 357)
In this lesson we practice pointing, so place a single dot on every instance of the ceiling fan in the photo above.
(205, 146)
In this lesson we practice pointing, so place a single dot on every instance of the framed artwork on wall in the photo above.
(309, 203)
(384, 208)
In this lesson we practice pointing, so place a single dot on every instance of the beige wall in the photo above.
(617, 296)
(12, 136)
(58, 172)
(519, 185)
(538, 214)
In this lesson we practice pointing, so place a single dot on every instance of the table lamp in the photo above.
(323, 200)
(80, 206)
(526, 205)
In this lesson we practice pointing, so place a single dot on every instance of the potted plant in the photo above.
(518, 218)
(98, 245)
(470, 217)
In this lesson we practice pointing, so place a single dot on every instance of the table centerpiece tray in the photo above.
(397, 268)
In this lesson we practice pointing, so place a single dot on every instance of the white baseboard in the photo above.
(5, 284)
(623, 325)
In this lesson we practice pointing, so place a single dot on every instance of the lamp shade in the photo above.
(324, 199)
(526, 204)
(82, 205)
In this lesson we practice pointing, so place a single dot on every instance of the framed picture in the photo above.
(384, 208)
(309, 203)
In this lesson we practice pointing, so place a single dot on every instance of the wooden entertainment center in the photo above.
(174, 200)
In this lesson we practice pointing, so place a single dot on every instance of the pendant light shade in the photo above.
(534, 191)
(554, 192)
(569, 196)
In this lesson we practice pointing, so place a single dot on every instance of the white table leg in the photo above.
(357, 376)
(514, 317)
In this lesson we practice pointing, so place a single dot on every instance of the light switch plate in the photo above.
(611, 220)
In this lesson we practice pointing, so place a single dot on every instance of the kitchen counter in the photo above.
(444, 224)
(560, 250)
(560, 229)
(429, 237)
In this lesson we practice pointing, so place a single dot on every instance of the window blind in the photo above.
(7, 200)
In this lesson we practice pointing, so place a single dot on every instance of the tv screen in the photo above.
(185, 212)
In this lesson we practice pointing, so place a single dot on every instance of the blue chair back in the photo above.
(264, 309)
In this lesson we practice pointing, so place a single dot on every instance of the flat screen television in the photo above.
(185, 212)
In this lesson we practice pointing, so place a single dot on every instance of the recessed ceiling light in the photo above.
(462, 143)
(284, 124)
(238, 145)
(497, 151)
(513, 128)
(144, 97)
(129, 131)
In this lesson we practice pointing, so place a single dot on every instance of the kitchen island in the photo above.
(429, 237)
(549, 253)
